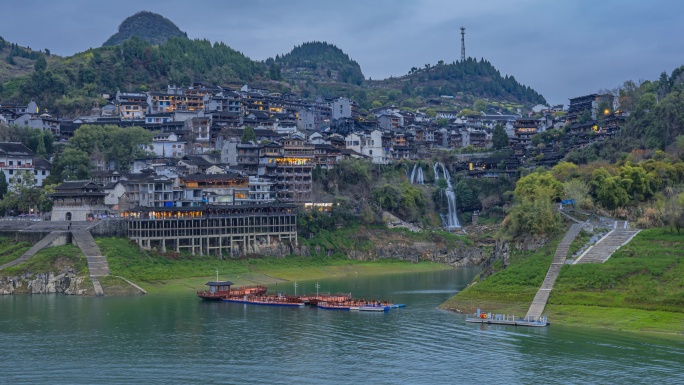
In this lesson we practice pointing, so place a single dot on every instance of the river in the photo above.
(164, 339)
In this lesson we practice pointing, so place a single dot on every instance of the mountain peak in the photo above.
(148, 26)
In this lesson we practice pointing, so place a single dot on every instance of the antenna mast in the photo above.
(462, 44)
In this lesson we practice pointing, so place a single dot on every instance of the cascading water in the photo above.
(449, 220)
(417, 175)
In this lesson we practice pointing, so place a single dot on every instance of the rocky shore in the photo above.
(64, 282)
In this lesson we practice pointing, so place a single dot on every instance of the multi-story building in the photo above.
(589, 103)
(342, 108)
(293, 172)
(17, 160)
(248, 157)
(215, 189)
(525, 129)
(167, 145)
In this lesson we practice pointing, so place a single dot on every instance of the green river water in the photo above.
(178, 339)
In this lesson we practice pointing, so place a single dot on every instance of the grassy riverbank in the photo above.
(640, 288)
(171, 272)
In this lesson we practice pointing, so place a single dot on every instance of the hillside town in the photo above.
(198, 154)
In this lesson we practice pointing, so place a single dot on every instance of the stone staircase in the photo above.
(606, 246)
(97, 263)
(43, 243)
(539, 302)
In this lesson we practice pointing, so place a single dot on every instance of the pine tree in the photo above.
(3, 184)
(499, 138)
(41, 151)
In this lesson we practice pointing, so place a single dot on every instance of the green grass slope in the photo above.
(641, 287)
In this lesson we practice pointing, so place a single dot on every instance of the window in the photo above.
(43, 172)
(11, 162)
(35, 172)
(11, 172)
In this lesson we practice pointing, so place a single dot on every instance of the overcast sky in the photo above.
(561, 49)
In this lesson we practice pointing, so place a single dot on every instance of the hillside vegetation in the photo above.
(320, 61)
(460, 79)
(147, 26)
(149, 52)
(73, 84)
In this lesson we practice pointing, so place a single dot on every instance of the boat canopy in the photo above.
(219, 283)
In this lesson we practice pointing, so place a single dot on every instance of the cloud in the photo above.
(561, 49)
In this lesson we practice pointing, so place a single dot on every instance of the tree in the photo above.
(674, 212)
(87, 136)
(442, 122)
(499, 137)
(248, 135)
(608, 191)
(40, 64)
(123, 145)
(564, 171)
(578, 191)
(72, 164)
(41, 151)
(431, 113)
(3, 184)
(538, 184)
(479, 105)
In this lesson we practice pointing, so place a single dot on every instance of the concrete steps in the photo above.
(607, 245)
(539, 302)
(97, 263)
(43, 243)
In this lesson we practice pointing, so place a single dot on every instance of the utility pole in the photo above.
(462, 44)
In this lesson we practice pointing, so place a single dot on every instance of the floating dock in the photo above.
(503, 319)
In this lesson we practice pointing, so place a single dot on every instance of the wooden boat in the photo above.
(503, 319)
(360, 305)
(267, 300)
(248, 290)
(314, 299)
(349, 304)
(218, 290)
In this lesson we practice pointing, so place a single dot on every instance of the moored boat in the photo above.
(216, 290)
(314, 299)
(267, 300)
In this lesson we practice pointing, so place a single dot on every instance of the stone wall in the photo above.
(423, 251)
(413, 252)
(109, 228)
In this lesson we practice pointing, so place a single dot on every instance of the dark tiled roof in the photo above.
(212, 177)
(41, 164)
(16, 149)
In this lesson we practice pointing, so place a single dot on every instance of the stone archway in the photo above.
(68, 216)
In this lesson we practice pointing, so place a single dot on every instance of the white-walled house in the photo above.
(369, 144)
(15, 159)
(166, 144)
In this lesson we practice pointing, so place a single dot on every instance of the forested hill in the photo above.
(74, 84)
(471, 77)
(320, 60)
(147, 26)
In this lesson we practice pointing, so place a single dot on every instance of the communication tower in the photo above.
(462, 44)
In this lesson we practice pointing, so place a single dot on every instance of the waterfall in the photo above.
(417, 175)
(449, 220)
